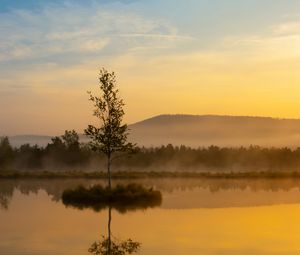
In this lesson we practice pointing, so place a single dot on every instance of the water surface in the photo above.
(197, 216)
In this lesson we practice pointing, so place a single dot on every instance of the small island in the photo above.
(120, 197)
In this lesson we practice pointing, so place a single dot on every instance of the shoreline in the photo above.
(148, 174)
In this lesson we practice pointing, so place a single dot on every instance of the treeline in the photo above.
(66, 152)
(61, 152)
(205, 158)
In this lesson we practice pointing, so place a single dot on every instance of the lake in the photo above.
(196, 216)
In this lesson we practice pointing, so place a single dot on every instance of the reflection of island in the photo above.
(121, 197)
(199, 192)
(112, 246)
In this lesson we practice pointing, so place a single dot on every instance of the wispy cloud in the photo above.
(281, 42)
(26, 34)
(287, 28)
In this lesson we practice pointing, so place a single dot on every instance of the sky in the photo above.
(224, 57)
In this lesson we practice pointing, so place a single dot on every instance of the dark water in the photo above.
(195, 217)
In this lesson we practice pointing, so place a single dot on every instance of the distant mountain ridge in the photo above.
(40, 140)
(203, 130)
(18, 140)
(206, 130)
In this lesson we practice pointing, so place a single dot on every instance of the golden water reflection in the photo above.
(207, 217)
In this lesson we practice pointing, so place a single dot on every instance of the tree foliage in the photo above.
(111, 135)
(6, 152)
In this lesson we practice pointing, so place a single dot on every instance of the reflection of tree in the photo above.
(112, 246)
(6, 193)
(4, 201)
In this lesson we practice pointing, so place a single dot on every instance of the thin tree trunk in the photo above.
(109, 233)
(108, 171)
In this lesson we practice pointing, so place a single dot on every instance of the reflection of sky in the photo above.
(246, 50)
(36, 225)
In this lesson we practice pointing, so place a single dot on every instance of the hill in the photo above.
(206, 130)
(40, 140)
(202, 130)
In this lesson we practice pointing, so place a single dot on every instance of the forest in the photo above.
(67, 153)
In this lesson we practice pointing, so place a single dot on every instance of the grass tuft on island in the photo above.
(120, 197)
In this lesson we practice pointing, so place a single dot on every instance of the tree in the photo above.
(29, 157)
(55, 151)
(6, 152)
(110, 137)
(71, 140)
(73, 155)
(66, 150)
